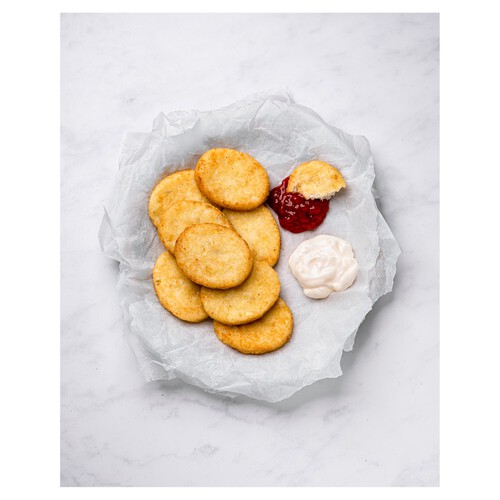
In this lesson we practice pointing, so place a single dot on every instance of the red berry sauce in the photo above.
(296, 213)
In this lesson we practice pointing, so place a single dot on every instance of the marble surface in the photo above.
(377, 425)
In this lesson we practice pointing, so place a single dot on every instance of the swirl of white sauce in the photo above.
(323, 264)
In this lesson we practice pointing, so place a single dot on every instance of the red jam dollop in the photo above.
(296, 213)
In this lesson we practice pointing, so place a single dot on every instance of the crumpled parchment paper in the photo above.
(280, 134)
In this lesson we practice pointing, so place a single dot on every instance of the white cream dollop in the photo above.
(323, 264)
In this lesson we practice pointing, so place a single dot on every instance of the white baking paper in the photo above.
(280, 134)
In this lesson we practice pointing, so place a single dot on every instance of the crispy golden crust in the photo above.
(182, 214)
(259, 229)
(213, 256)
(232, 179)
(315, 179)
(246, 302)
(177, 293)
(266, 334)
(177, 186)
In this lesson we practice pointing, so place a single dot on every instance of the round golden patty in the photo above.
(259, 229)
(177, 186)
(315, 179)
(177, 293)
(182, 214)
(246, 302)
(232, 179)
(266, 334)
(213, 256)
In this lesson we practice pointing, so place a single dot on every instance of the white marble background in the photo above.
(375, 75)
